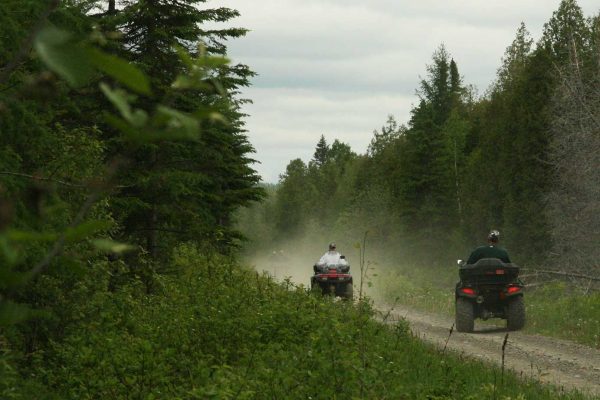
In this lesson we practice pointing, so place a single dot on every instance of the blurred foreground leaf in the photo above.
(87, 228)
(110, 246)
(11, 313)
(121, 99)
(178, 124)
(63, 55)
(121, 70)
(29, 236)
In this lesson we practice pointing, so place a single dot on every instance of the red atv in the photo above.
(489, 289)
(332, 279)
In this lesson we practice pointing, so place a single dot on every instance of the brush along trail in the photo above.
(553, 361)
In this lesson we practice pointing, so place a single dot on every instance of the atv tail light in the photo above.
(468, 290)
(513, 289)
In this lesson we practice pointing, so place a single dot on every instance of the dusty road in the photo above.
(558, 362)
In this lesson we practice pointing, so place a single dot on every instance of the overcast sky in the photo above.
(339, 67)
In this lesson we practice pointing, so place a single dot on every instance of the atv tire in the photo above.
(348, 291)
(515, 314)
(465, 315)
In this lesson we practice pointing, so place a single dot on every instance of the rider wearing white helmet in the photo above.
(332, 257)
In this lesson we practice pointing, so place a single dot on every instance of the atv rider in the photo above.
(492, 250)
(332, 257)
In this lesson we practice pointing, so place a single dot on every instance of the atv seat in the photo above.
(489, 271)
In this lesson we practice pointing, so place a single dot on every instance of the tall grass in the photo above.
(563, 311)
(555, 309)
(216, 330)
(220, 331)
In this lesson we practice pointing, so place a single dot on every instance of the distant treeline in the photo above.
(523, 158)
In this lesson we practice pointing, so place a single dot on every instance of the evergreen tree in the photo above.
(293, 197)
(184, 190)
(528, 178)
(321, 155)
(515, 58)
(384, 138)
(489, 145)
(427, 177)
(566, 33)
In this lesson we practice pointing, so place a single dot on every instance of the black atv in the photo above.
(489, 289)
(332, 279)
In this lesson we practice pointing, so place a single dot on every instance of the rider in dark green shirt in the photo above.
(492, 250)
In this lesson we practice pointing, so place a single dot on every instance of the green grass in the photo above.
(564, 312)
(220, 331)
(424, 289)
(555, 309)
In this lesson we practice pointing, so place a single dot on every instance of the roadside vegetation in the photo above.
(521, 158)
(123, 163)
(556, 309)
(221, 331)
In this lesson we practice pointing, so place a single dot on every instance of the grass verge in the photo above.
(219, 331)
(555, 309)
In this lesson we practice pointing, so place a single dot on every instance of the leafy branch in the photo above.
(27, 44)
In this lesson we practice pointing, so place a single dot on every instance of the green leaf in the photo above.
(10, 254)
(184, 126)
(121, 70)
(86, 229)
(120, 124)
(121, 99)
(12, 313)
(9, 278)
(63, 55)
(188, 82)
(110, 246)
(26, 236)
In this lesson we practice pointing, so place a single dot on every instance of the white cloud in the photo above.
(339, 67)
(284, 124)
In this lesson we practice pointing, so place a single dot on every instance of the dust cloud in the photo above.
(295, 258)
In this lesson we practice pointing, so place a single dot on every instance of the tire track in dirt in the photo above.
(558, 362)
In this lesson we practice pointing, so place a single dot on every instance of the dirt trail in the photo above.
(558, 362)
(554, 361)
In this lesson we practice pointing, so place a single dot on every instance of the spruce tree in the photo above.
(489, 145)
(293, 198)
(427, 197)
(321, 155)
(186, 190)
(566, 33)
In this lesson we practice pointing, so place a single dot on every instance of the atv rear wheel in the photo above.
(515, 314)
(348, 291)
(465, 315)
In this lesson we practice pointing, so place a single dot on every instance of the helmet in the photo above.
(332, 246)
(494, 236)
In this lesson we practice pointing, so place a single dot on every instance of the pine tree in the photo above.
(321, 155)
(566, 33)
(184, 190)
(515, 58)
(293, 198)
(427, 177)
(385, 137)
(489, 145)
